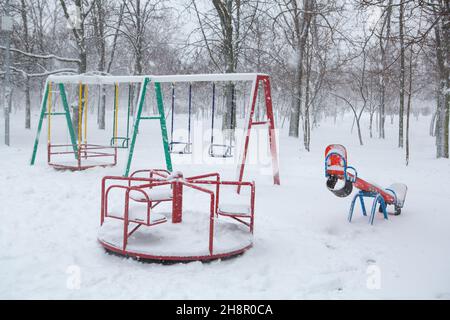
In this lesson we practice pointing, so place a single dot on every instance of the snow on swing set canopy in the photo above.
(100, 79)
(225, 239)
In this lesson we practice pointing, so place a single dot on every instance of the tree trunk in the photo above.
(408, 110)
(402, 75)
(27, 104)
(26, 41)
(446, 73)
(442, 34)
(296, 100)
(80, 39)
(225, 12)
(307, 126)
(432, 130)
(358, 126)
(384, 76)
(301, 34)
(101, 49)
(439, 125)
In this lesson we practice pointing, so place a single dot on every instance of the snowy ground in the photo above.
(303, 247)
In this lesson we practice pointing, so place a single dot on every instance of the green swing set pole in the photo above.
(39, 127)
(41, 119)
(162, 121)
(136, 126)
(68, 119)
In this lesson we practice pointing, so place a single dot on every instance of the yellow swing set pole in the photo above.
(80, 109)
(85, 112)
(116, 110)
(49, 112)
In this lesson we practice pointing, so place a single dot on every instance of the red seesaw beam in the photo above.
(364, 185)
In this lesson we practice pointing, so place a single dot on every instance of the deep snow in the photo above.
(303, 246)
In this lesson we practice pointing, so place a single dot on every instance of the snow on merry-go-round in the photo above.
(190, 235)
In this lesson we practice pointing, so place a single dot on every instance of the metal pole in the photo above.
(173, 110)
(212, 112)
(190, 111)
(7, 91)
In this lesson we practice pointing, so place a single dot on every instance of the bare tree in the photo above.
(442, 38)
(101, 28)
(384, 48)
(224, 30)
(408, 106)
(402, 73)
(77, 23)
(294, 19)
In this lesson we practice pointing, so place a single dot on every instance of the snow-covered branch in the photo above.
(40, 56)
(42, 74)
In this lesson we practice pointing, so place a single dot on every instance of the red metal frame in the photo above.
(144, 256)
(270, 120)
(156, 178)
(85, 151)
(361, 184)
(239, 216)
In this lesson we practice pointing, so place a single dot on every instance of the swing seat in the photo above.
(239, 207)
(153, 195)
(114, 142)
(237, 210)
(399, 191)
(335, 160)
(137, 213)
(180, 147)
(220, 151)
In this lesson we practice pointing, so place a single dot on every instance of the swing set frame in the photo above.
(80, 149)
(187, 149)
(116, 138)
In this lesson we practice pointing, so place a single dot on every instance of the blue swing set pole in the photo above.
(232, 115)
(190, 110)
(172, 118)
(212, 113)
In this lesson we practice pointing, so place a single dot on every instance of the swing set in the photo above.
(79, 154)
(83, 152)
(121, 141)
(220, 150)
(181, 147)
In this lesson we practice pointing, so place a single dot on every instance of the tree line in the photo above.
(374, 58)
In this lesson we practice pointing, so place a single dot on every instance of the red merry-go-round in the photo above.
(132, 227)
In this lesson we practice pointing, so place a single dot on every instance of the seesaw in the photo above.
(337, 169)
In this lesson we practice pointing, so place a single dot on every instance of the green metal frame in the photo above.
(44, 113)
(162, 121)
(73, 138)
(139, 117)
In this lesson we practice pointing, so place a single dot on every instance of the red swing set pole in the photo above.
(270, 120)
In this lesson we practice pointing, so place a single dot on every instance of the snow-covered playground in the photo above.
(304, 247)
